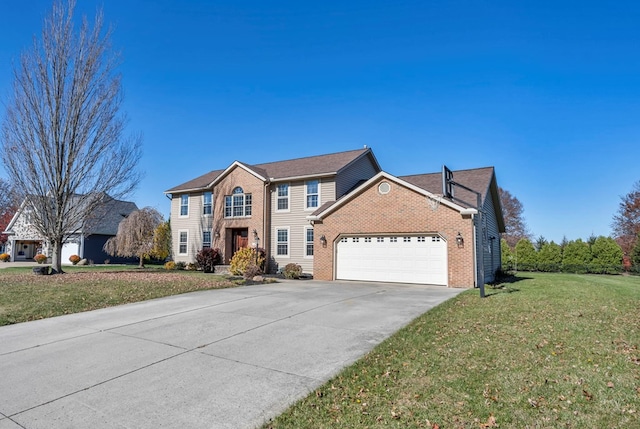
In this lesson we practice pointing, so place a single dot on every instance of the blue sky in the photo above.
(548, 92)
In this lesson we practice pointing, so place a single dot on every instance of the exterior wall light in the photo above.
(323, 240)
(459, 240)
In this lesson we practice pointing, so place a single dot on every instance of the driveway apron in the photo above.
(231, 358)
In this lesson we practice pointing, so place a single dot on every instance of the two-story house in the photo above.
(342, 218)
(263, 205)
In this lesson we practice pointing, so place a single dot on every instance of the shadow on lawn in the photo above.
(503, 285)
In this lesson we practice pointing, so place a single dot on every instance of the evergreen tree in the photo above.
(576, 256)
(550, 257)
(607, 255)
(540, 241)
(507, 256)
(526, 256)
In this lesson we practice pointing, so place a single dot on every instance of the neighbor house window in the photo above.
(184, 236)
(308, 241)
(184, 205)
(206, 239)
(207, 200)
(283, 197)
(238, 204)
(282, 245)
(312, 194)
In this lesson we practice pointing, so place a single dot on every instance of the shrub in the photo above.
(251, 271)
(40, 258)
(191, 267)
(292, 271)
(246, 257)
(74, 259)
(208, 258)
(180, 266)
(169, 265)
(4, 257)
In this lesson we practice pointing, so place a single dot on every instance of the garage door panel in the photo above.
(410, 259)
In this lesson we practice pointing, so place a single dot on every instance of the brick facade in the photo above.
(401, 211)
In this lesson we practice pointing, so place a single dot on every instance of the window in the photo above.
(312, 194)
(422, 239)
(206, 203)
(308, 241)
(283, 197)
(406, 239)
(206, 239)
(282, 245)
(367, 239)
(393, 239)
(184, 205)
(380, 239)
(184, 236)
(356, 239)
(238, 204)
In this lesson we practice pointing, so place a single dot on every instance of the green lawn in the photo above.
(543, 351)
(25, 296)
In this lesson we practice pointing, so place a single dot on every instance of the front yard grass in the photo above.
(544, 351)
(25, 296)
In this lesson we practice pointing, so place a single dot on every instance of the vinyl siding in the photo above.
(193, 224)
(362, 169)
(489, 250)
(296, 220)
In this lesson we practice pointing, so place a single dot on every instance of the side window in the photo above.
(184, 237)
(308, 242)
(312, 194)
(207, 200)
(206, 239)
(283, 197)
(282, 245)
(184, 205)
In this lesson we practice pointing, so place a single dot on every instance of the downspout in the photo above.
(266, 225)
(475, 251)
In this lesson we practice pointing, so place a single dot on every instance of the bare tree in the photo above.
(626, 221)
(135, 237)
(62, 135)
(513, 212)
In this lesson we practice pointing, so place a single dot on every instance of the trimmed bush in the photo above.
(74, 259)
(292, 271)
(207, 259)
(180, 265)
(245, 258)
(170, 265)
(4, 257)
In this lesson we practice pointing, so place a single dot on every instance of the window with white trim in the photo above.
(312, 194)
(393, 239)
(238, 204)
(367, 239)
(184, 205)
(207, 203)
(282, 191)
(308, 241)
(282, 242)
(183, 240)
(380, 239)
(206, 239)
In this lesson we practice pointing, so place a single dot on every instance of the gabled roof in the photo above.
(104, 221)
(312, 166)
(481, 180)
(329, 207)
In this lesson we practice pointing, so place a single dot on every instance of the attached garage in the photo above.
(410, 258)
(69, 249)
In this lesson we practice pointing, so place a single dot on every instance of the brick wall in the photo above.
(400, 211)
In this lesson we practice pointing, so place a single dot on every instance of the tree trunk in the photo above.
(141, 264)
(56, 256)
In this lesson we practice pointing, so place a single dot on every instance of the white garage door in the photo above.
(69, 249)
(400, 259)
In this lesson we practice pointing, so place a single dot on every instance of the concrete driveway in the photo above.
(228, 358)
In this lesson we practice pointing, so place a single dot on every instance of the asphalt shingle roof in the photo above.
(280, 170)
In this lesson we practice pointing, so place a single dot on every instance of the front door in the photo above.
(240, 239)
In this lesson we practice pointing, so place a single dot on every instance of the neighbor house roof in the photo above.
(320, 165)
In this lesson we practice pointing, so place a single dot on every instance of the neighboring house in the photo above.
(264, 205)
(341, 217)
(85, 241)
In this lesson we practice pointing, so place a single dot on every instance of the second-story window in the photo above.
(238, 204)
(283, 196)
(312, 192)
(184, 205)
(207, 200)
